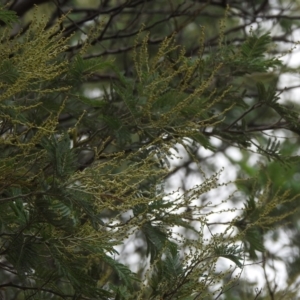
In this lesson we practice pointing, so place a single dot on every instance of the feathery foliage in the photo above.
(81, 176)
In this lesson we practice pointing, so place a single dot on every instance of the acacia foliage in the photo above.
(81, 174)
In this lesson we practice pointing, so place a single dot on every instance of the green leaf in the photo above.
(256, 46)
(60, 155)
(231, 252)
(81, 68)
(8, 72)
(167, 273)
(156, 240)
(8, 16)
(123, 272)
(91, 102)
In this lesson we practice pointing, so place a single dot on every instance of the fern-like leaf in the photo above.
(256, 46)
(8, 16)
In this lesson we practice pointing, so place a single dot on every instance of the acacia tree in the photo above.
(82, 175)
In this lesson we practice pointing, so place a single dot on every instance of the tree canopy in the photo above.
(148, 149)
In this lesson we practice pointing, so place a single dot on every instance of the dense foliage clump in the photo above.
(91, 152)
